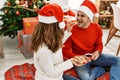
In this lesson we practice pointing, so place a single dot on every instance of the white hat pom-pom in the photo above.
(66, 8)
(62, 25)
(97, 15)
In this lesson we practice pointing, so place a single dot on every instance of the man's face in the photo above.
(82, 19)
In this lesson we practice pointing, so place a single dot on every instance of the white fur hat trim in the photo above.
(87, 11)
(97, 15)
(61, 25)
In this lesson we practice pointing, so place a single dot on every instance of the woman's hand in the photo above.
(76, 62)
(80, 60)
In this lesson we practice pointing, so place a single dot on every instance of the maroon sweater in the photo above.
(83, 41)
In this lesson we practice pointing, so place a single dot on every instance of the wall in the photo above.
(62, 3)
(1, 5)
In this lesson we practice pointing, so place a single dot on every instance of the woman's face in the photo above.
(83, 20)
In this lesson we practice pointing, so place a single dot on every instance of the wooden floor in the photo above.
(14, 57)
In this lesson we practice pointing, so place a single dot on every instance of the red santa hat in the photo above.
(66, 8)
(51, 13)
(89, 8)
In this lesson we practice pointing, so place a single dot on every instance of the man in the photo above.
(87, 38)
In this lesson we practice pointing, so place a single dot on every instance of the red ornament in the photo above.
(22, 2)
(30, 3)
(8, 3)
(17, 13)
(34, 0)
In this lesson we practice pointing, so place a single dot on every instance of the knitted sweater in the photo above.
(49, 65)
(83, 41)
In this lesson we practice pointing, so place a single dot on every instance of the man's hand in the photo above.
(69, 25)
(95, 55)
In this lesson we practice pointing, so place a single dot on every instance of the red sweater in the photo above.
(83, 41)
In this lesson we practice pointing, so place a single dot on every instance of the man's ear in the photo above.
(89, 19)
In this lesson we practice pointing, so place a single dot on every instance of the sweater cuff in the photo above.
(68, 65)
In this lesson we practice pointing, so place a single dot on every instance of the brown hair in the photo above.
(50, 34)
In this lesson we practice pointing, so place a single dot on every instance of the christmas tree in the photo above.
(14, 11)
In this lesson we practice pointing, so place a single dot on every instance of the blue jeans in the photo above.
(86, 73)
(68, 77)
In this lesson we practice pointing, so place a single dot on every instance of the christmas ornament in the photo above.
(30, 3)
(8, 3)
(6, 11)
(34, 6)
(17, 2)
(26, 4)
(17, 13)
(22, 2)
(34, 1)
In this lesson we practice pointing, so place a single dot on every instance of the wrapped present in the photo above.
(29, 24)
(25, 47)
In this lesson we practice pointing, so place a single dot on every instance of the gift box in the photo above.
(25, 47)
(29, 24)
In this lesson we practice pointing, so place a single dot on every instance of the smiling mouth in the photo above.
(79, 22)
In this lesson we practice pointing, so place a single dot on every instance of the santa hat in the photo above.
(89, 8)
(66, 8)
(51, 13)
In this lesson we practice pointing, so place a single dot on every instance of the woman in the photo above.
(46, 43)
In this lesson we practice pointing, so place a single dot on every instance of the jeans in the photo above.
(86, 73)
(68, 77)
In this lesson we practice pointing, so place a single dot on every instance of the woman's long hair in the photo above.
(50, 34)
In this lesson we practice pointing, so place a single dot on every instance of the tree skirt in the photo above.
(21, 72)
